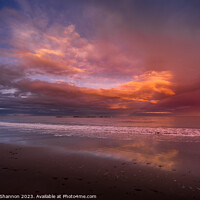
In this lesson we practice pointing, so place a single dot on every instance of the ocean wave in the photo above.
(98, 131)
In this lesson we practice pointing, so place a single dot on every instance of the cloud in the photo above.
(47, 51)
(146, 89)
(95, 65)
(9, 76)
(185, 102)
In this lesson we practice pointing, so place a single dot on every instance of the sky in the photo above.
(92, 57)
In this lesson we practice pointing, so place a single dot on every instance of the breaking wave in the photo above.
(98, 131)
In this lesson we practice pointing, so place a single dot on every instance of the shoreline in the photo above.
(47, 170)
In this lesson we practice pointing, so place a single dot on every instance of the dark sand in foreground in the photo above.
(45, 170)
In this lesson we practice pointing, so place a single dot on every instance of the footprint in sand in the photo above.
(123, 163)
(128, 193)
(138, 189)
(4, 168)
(156, 191)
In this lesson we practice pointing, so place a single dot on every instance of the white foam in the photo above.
(98, 131)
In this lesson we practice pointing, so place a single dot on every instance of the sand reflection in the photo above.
(144, 153)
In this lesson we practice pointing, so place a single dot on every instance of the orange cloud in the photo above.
(152, 80)
(149, 87)
(118, 106)
(41, 62)
(58, 51)
(43, 52)
(145, 89)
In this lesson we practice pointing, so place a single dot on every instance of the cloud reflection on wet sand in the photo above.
(144, 153)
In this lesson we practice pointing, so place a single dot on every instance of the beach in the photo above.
(100, 99)
(44, 170)
(35, 163)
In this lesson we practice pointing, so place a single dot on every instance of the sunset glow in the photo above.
(69, 63)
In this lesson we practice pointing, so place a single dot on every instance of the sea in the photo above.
(170, 142)
(123, 128)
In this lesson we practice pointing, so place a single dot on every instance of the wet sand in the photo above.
(48, 170)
